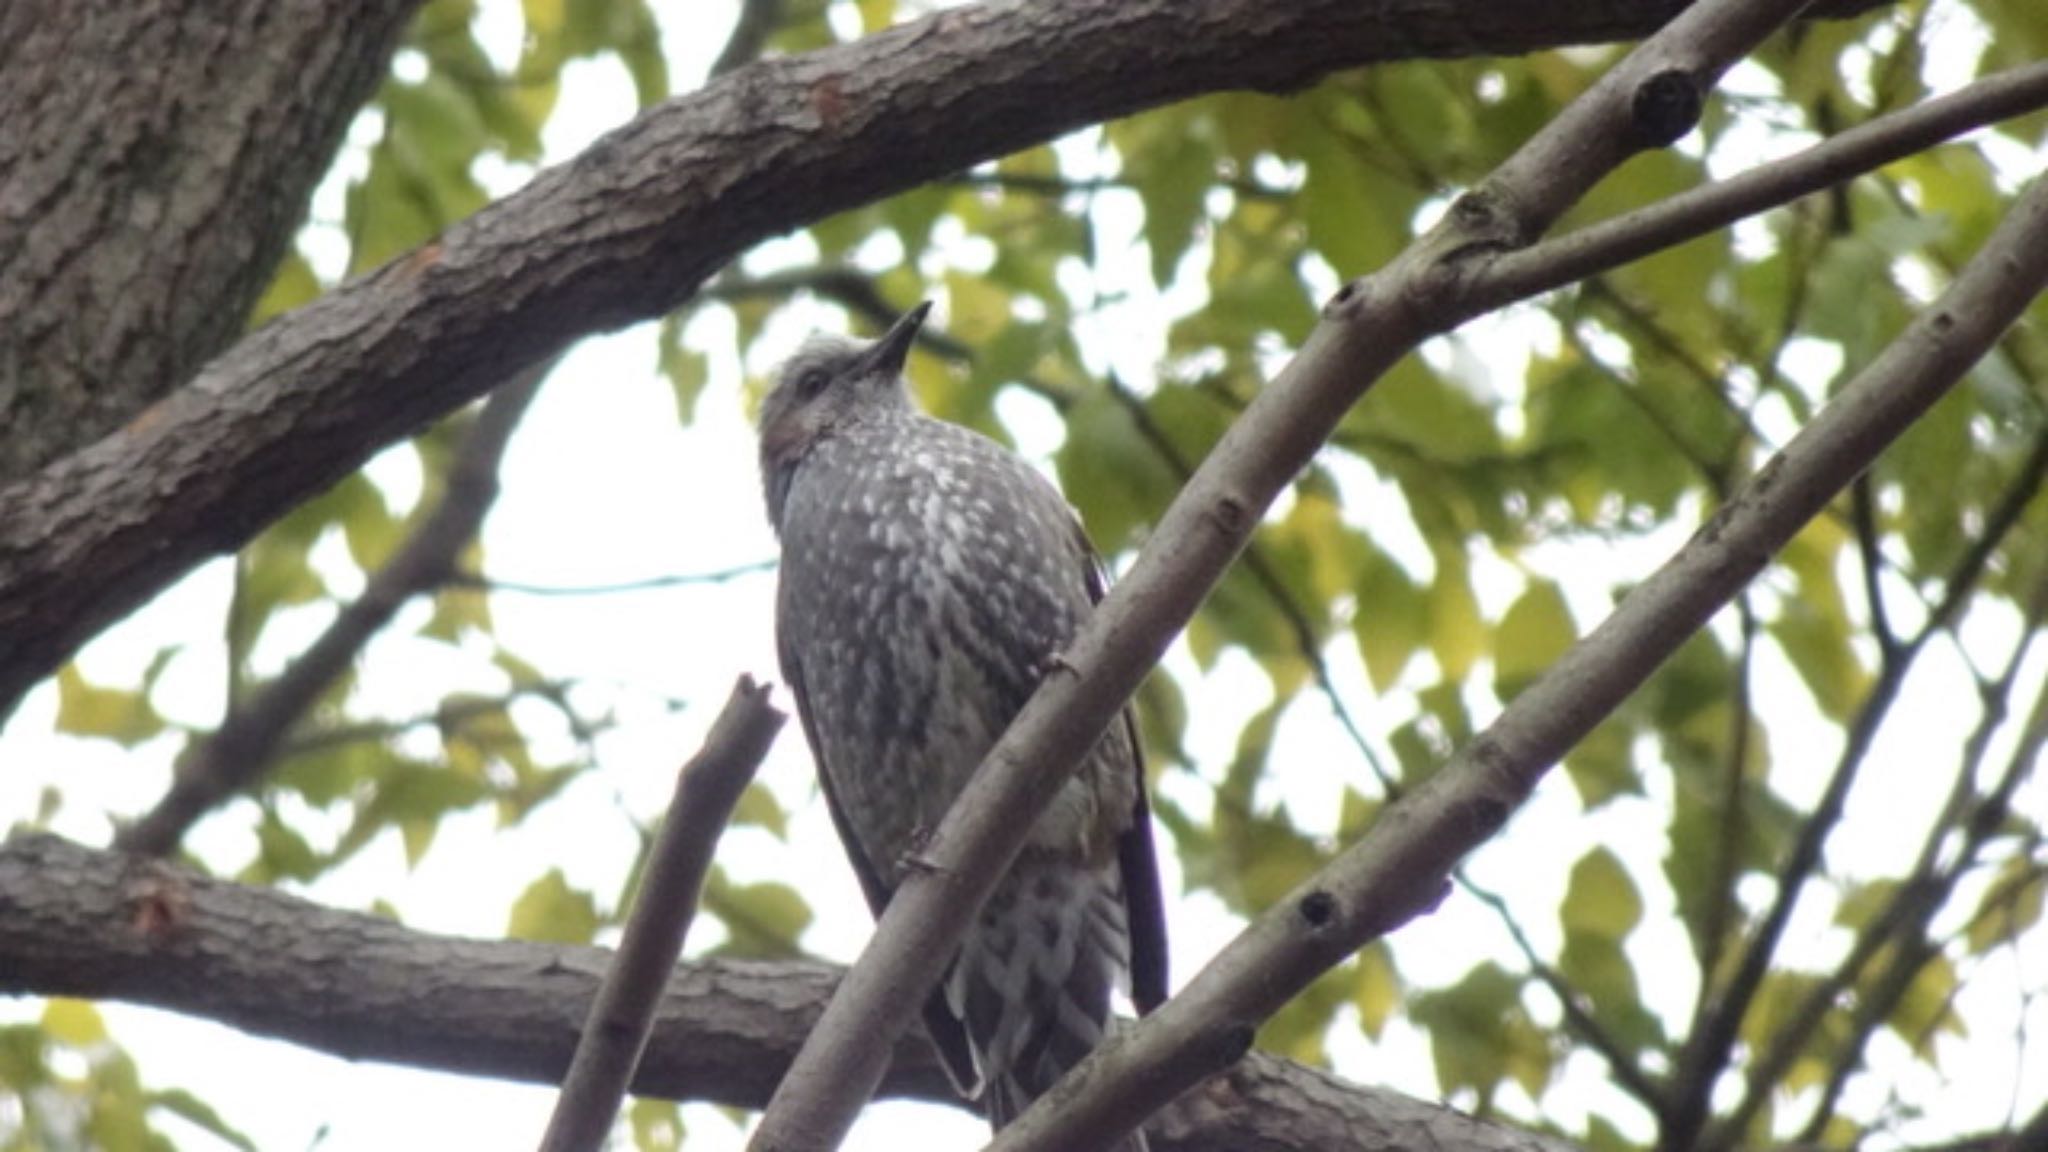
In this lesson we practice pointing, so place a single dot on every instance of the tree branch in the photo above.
(245, 745)
(628, 229)
(79, 922)
(756, 22)
(622, 1012)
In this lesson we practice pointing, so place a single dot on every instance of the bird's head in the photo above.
(830, 382)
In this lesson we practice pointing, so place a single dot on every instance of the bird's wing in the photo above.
(949, 1037)
(1144, 907)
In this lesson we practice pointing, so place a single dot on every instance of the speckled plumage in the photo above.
(929, 579)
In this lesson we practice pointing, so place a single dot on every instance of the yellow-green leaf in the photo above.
(550, 909)
(1536, 630)
(87, 709)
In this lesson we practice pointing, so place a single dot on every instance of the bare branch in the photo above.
(1863, 516)
(622, 1013)
(80, 922)
(245, 745)
(1581, 1022)
(1597, 247)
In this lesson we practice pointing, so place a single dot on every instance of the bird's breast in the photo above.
(924, 594)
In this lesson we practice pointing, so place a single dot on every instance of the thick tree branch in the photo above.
(245, 745)
(622, 1012)
(80, 922)
(1366, 329)
(631, 227)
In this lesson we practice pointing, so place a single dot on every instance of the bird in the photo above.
(929, 579)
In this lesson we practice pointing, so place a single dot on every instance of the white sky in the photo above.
(601, 487)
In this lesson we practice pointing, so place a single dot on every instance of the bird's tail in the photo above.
(1033, 980)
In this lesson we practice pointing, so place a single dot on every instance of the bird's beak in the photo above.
(887, 355)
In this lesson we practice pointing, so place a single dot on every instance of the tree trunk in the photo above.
(156, 160)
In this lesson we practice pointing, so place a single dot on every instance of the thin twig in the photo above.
(1262, 572)
(1863, 516)
(1578, 1019)
(245, 745)
(1554, 263)
(652, 583)
(622, 1013)
(757, 21)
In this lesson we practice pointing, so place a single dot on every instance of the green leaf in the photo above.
(1174, 163)
(1536, 630)
(366, 521)
(686, 369)
(1602, 899)
(282, 853)
(1481, 1035)
(1116, 480)
(1602, 766)
(657, 1125)
(1343, 204)
(1457, 633)
(2011, 905)
(1296, 1031)
(1927, 1008)
(76, 1023)
(1601, 908)
(1391, 623)
(202, 1115)
(293, 285)
(87, 709)
(765, 919)
(551, 910)
(1377, 993)
(759, 808)
(458, 612)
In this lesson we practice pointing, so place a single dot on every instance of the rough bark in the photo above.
(156, 160)
(628, 229)
(79, 922)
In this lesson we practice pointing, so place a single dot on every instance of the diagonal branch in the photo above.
(244, 746)
(622, 1013)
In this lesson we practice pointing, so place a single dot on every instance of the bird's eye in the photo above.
(811, 383)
